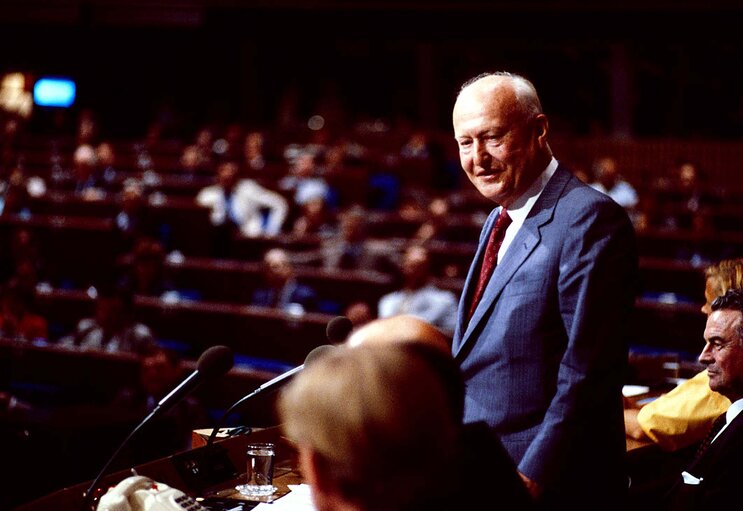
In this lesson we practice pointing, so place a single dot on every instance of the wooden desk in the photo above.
(95, 376)
(233, 281)
(177, 221)
(166, 470)
(680, 243)
(254, 331)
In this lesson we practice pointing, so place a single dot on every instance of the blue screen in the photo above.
(58, 92)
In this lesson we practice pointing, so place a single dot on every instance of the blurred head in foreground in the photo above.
(375, 426)
(400, 329)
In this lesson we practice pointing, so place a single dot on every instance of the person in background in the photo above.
(18, 320)
(350, 248)
(681, 417)
(305, 181)
(192, 163)
(359, 312)
(254, 152)
(712, 479)
(160, 371)
(608, 180)
(314, 218)
(114, 327)
(280, 288)
(86, 181)
(418, 296)
(131, 220)
(106, 164)
(240, 203)
(541, 340)
(147, 274)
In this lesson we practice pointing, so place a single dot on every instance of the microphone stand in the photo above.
(267, 385)
(88, 495)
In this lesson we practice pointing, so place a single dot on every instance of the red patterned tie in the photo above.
(490, 259)
(711, 434)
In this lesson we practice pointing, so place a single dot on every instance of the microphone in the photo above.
(338, 329)
(214, 362)
(271, 385)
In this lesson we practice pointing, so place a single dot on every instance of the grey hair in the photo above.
(526, 93)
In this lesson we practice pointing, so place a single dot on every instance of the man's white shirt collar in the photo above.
(521, 207)
(733, 411)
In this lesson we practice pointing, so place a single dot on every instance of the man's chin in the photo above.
(492, 191)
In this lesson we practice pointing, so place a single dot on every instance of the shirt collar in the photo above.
(521, 206)
(733, 411)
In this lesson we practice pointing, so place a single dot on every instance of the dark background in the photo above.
(638, 69)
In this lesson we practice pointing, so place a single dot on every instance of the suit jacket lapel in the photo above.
(523, 244)
(718, 448)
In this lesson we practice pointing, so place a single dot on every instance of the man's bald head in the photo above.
(400, 329)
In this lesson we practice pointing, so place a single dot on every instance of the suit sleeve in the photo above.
(596, 285)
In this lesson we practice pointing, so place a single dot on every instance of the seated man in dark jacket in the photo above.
(280, 287)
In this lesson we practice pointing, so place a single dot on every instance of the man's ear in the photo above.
(324, 494)
(308, 465)
(541, 125)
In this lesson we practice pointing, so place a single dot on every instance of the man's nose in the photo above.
(481, 156)
(705, 357)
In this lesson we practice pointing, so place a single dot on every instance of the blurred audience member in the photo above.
(106, 163)
(609, 181)
(17, 317)
(314, 219)
(230, 145)
(360, 313)
(304, 181)
(114, 327)
(254, 151)
(350, 248)
(204, 143)
(23, 261)
(243, 204)
(160, 372)
(146, 274)
(280, 288)
(15, 200)
(685, 195)
(434, 226)
(416, 147)
(192, 163)
(87, 127)
(86, 181)
(131, 221)
(419, 297)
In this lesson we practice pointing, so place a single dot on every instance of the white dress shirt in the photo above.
(519, 210)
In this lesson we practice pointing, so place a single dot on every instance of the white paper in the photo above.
(634, 390)
(299, 498)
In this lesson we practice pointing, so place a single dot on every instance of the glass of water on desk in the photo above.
(260, 471)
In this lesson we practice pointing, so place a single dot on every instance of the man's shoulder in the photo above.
(578, 196)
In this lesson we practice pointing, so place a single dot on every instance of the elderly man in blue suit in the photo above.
(542, 343)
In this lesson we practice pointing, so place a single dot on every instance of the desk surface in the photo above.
(165, 470)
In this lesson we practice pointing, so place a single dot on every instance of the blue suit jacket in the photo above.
(545, 352)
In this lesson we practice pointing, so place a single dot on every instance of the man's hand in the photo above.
(632, 426)
(534, 489)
